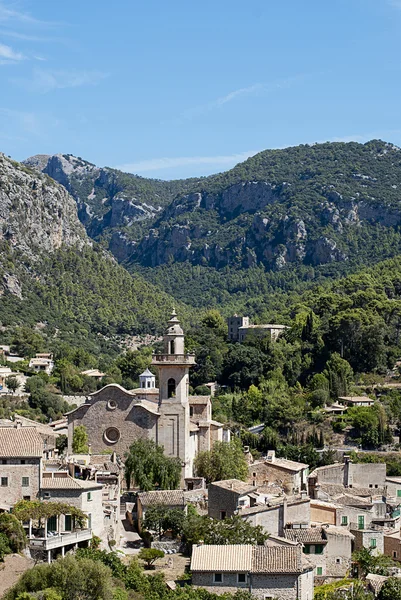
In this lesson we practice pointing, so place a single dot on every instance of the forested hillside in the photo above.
(53, 275)
(282, 220)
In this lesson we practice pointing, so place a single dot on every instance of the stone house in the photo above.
(328, 548)
(42, 363)
(278, 514)
(226, 497)
(356, 400)
(48, 435)
(83, 494)
(171, 499)
(21, 452)
(365, 478)
(291, 476)
(115, 417)
(370, 536)
(266, 571)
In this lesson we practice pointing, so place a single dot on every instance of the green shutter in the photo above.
(318, 549)
(52, 524)
(398, 493)
(344, 520)
(361, 522)
(68, 523)
(319, 570)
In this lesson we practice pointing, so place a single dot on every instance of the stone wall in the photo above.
(263, 473)
(221, 499)
(113, 407)
(15, 471)
(284, 587)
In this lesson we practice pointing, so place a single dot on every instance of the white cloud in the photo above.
(252, 90)
(9, 14)
(241, 92)
(43, 81)
(157, 164)
(8, 55)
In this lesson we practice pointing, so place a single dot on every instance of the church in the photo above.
(115, 417)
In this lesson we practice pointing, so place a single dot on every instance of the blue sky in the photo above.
(180, 88)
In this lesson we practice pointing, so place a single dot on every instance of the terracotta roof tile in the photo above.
(166, 497)
(20, 442)
(277, 559)
(68, 483)
(313, 535)
(247, 559)
(234, 485)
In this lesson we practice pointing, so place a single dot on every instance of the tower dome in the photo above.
(174, 336)
(147, 380)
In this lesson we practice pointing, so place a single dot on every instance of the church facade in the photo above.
(115, 417)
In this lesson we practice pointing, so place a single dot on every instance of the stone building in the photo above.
(279, 514)
(240, 327)
(267, 571)
(290, 475)
(226, 497)
(114, 417)
(85, 495)
(21, 452)
(368, 478)
(328, 548)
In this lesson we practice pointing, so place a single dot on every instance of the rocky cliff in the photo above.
(308, 205)
(36, 214)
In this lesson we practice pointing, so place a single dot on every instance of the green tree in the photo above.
(12, 383)
(160, 518)
(80, 440)
(149, 556)
(148, 466)
(339, 374)
(223, 461)
(13, 530)
(391, 590)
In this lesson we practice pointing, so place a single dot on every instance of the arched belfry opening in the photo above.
(172, 347)
(171, 388)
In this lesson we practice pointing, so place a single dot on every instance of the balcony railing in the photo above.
(64, 539)
(182, 359)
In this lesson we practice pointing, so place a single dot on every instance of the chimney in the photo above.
(113, 457)
(271, 456)
(304, 494)
(18, 424)
(347, 471)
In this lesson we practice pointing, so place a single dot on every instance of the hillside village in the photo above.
(306, 526)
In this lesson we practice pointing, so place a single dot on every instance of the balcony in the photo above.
(63, 539)
(177, 359)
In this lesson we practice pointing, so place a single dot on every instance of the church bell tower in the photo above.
(173, 431)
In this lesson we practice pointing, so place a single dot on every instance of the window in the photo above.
(373, 543)
(26, 498)
(171, 388)
(89, 496)
(52, 524)
(218, 578)
(370, 485)
(241, 577)
(191, 411)
(344, 520)
(361, 522)
(223, 514)
(68, 523)
(172, 347)
(4, 481)
(148, 384)
(25, 482)
(112, 405)
(112, 435)
(89, 519)
(22, 461)
(4, 462)
(338, 561)
(307, 549)
(376, 485)
(319, 570)
(395, 554)
(319, 549)
(46, 495)
(398, 493)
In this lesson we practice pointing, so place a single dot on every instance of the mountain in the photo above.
(280, 219)
(54, 276)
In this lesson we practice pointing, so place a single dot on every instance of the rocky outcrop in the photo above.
(36, 214)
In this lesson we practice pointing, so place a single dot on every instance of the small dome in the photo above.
(174, 327)
(146, 373)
